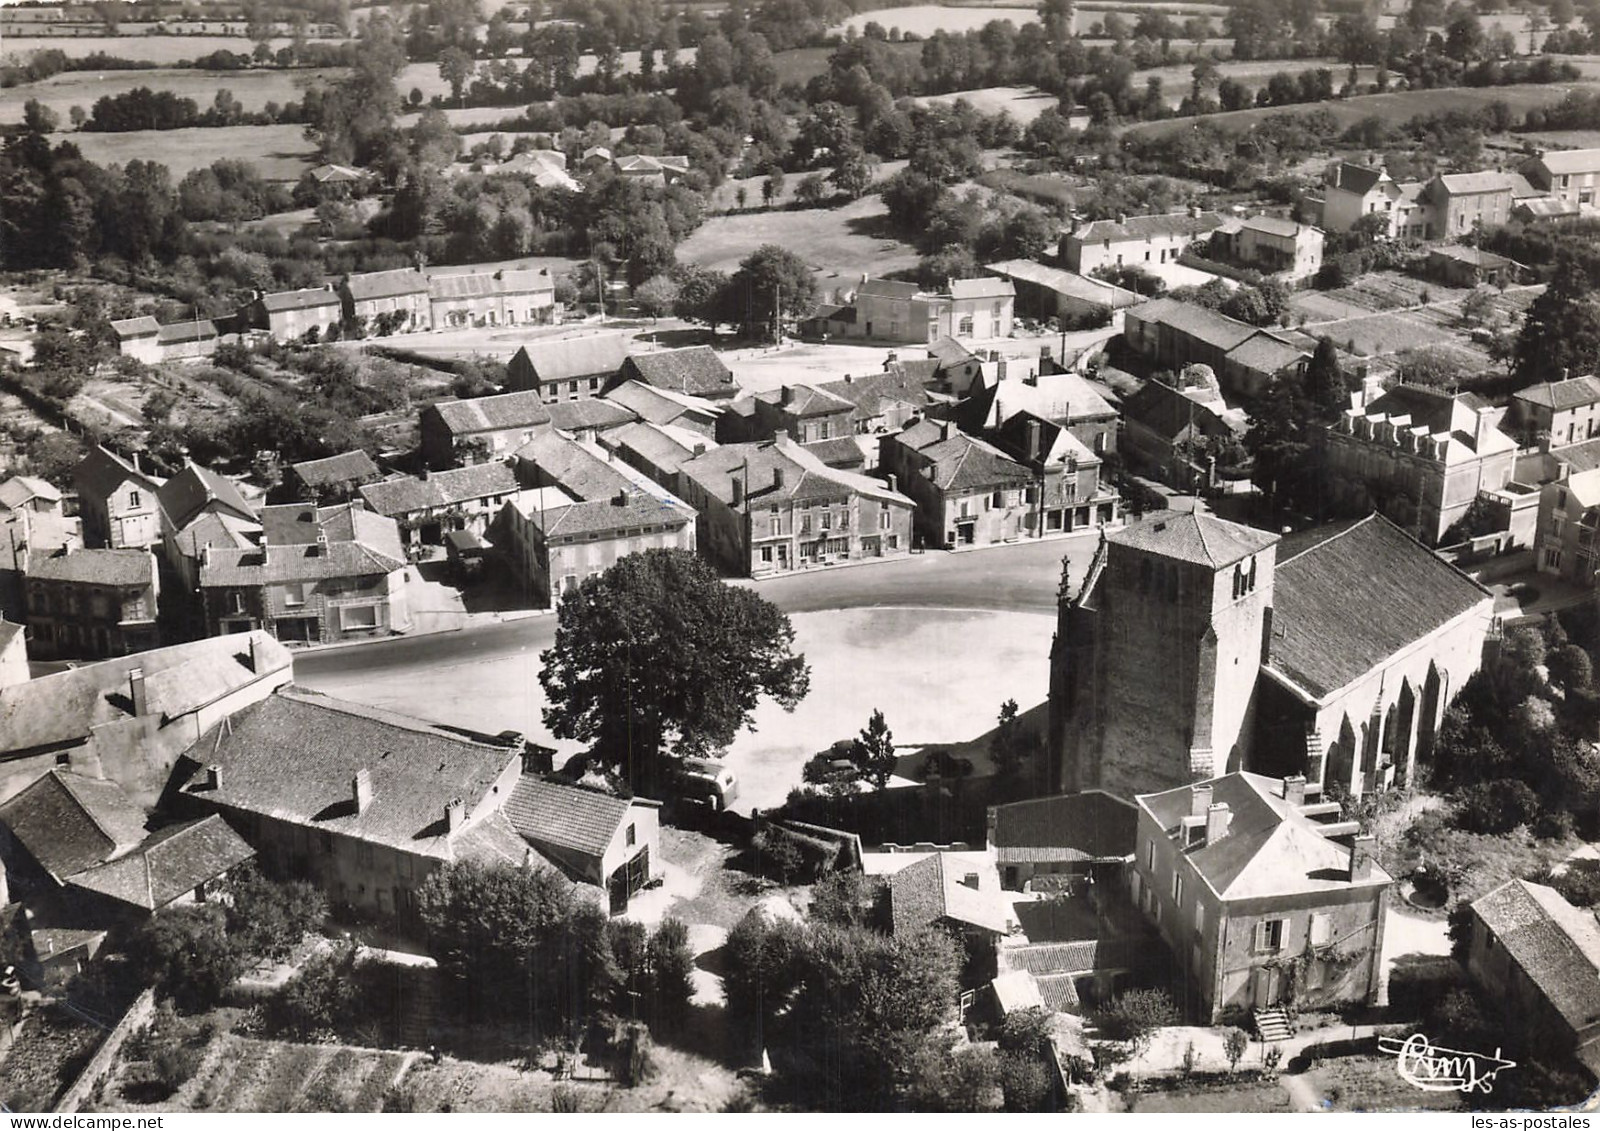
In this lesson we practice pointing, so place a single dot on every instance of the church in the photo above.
(1197, 647)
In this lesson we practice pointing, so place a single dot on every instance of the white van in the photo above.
(708, 780)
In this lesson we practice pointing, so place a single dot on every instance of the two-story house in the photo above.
(1175, 433)
(886, 310)
(567, 370)
(1571, 176)
(1459, 203)
(1352, 191)
(1555, 414)
(1068, 491)
(332, 479)
(804, 413)
(398, 297)
(1420, 454)
(92, 604)
(116, 501)
(1061, 398)
(480, 430)
(693, 371)
(320, 575)
(1262, 902)
(1567, 542)
(773, 507)
(1274, 246)
(291, 315)
(501, 298)
(428, 508)
(1134, 241)
(968, 492)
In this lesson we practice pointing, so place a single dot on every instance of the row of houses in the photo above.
(137, 784)
(1271, 245)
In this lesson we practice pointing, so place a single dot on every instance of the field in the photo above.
(1023, 103)
(1256, 1096)
(279, 153)
(45, 1058)
(925, 19)
(160, 50)
(1370, 1083)
(1395, 108)
(837, 242)
(254, 89)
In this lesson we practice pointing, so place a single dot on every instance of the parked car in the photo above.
(707, 780)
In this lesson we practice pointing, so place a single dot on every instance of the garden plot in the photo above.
(46, 1057)
(246, 1074)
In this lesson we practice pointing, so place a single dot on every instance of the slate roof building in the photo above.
(482, 299)
(291, 315)
(116, 501)
(92, 604)
(480, 430)
(1426, 454)
(1556, 414)
(1134, 240)
(1070, 835)
(968, 492)
(429, 508)
(30, 493)
(399, 298)
(126, 720)
(1538, 958)
(332, 479)
(1570, 176)
(1170, 431)
(773, 507)
(694, 371)
(595, 838)
(570, 369)
(664, 406)
(1270, 659)
(200, 508)
(320, 575)
(1245, 879)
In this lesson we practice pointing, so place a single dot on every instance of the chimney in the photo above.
(1033, 439)
(786, 397)
(777, 479)
(455, 814)
(1218, 817)
(848, 379)
(322, 543)
(699, 450)
(1294, 790)
(738, 491)
(1199, 799)
(1000, 370)
(1361, 857)
(255, 658)
(1484, 427)
(1194, 211)
(970, 880)
(361, 789)
(213, 776)
(357, 503)
(893, 482)
(1122, 218)
(1565, 373)
(136, 692)
(620, 499)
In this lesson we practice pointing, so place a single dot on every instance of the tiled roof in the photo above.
(142, 327)
(1062, 958)
(1192, 537)
(590, 412)
(696, 370)
(929, 891)
(841, 452)
(224, 531)
(759, 465)
(566, 817)
(1266, 353)
(1557, 395)
(593, 356)
(950, 353)
(1469, 184)
(982, 288)
(1061, 397)
(869, 392)
(443, 288)
(962, 462)
(661, 406)
(887, 288)
(1555, 944)
(1199, 322)
(1548, 207)
(386, 284)
(1350, 177)
(806, 400)
(1147, 227)
(477, 481)
(1269, 849)
(1475, 257)
(1275, 226)
(309, 299)
(603, 516)
(1080, 826)
(122, 568)
(402, 495)
(63, 709)
(1068, 283)
(198, 331)
(20, 490)
(654, 445)
(1168, 413)
(572, 467)
(101, 472)
(487, 414)
(346, 467)
(294, 756)
(275, 564)
(1571, 160)
(1327, 631)
(69, 822)
(196, 489)
(169, 864)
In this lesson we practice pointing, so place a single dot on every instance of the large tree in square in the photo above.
(657, 658)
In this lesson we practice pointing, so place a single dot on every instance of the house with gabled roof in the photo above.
(332, 479)
(598, 839)
(694, 371)
(292, 315)
(886, 401)
(583, 472)
(658, 451)
(892, 311)
(30, 493)
(441, 502)
(501, 298)
(200, 507)
(589, 418)
(1134, 241)
(804, 413)
(117, 501)
(1554, 414)
(1537, 958)
(138, 338)
(773, 507)
(91, 604)
(968, 492)
(482, 429)
(1171, 431)
(1069, 493)
(1088, 835)
(1352, 190)
(319, 575)
(399, 298)
(955, 892)
(1066, 399)
(1262, 893)
(666, 406)
(568, 369)
(126, 720)
(1567, 175)
(1459, 203)
(362, 802)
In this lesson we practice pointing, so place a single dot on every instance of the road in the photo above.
(1017, 578)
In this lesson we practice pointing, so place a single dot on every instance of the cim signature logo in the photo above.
(1436, 1069)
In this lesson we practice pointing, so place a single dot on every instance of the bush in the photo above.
(1024, 1082)
(320, 997)
(1579, 883)
(1496, 807)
